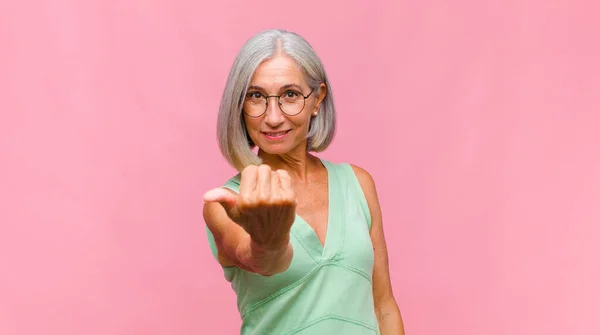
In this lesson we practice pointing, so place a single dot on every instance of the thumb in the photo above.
(227, 199)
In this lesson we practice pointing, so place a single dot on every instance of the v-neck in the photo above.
(308, 236)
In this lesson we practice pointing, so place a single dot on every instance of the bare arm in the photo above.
(386, 308)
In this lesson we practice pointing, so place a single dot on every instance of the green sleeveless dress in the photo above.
(327, 289)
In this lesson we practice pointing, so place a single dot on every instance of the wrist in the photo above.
(270, 248)
(270, 259)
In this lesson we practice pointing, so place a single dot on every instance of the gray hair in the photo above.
(234, 141)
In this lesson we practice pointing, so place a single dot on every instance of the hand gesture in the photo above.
(265, 206)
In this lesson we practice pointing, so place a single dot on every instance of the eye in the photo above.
(291, 94)
(291, 97)
(254, 95)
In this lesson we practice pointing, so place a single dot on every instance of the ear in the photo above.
(322, 93)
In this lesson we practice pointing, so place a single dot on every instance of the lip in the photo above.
(276, 138)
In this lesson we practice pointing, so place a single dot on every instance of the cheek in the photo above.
(303, 122)
(252, 127)
(251, 124)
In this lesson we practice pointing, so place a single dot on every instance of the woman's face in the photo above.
(275, 132)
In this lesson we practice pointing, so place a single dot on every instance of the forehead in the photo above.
(278, 71)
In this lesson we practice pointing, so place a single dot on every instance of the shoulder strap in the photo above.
(354, 186)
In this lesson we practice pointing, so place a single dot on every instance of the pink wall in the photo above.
(479, 122)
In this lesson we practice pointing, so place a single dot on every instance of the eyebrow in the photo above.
(256, 87)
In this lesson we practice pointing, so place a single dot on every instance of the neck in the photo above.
(297, 165)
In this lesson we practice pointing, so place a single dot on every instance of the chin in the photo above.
(275, 149)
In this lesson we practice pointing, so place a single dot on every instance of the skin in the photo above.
(252, 228)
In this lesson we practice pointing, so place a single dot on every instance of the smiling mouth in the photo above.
(276, 135)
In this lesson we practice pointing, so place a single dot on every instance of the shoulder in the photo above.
(364, 178)
(362, 175)
(368, 187)
(369, 191)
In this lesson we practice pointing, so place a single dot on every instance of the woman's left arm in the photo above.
(386, 308)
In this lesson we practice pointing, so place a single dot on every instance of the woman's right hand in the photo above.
(265, 207)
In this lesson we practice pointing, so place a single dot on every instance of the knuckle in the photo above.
(245, 194)
(276, 198)
(246, 199)
(263, 198)
(264, 168)
(249, 169)
(249, 172)
(250, 200)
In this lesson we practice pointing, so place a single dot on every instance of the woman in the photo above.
(299, 238)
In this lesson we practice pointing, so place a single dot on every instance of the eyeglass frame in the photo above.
(279, 103)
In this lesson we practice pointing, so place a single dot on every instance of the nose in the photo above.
(273, 114)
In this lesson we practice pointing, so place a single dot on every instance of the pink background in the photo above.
(478, 120)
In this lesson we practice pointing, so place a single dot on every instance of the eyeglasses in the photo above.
(290, 102)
